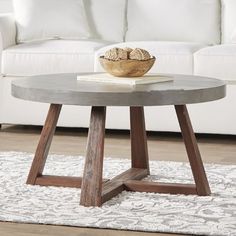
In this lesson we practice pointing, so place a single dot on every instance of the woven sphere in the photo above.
(116, 54)
(139, 54)
(128, 50)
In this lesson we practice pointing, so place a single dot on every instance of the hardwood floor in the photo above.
(12, 229)
(162, 146)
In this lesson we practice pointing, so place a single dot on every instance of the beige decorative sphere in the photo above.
(128, 50)
(139, 54)
(116, 54)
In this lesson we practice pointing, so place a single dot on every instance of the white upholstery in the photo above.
(7, 31)
(52, 56)
(228, 20)
(5, 6)
(106, 19)
(233, 39)
(172, 57)
(218, 61)
(172, 20)
(50, 19)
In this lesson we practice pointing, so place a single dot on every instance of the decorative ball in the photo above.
(128, 50)
(116, 54)
(139, 54)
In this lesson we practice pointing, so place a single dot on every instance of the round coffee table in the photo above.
(64, 89)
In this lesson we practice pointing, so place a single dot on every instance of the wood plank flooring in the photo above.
(13, 229)
(162, 146)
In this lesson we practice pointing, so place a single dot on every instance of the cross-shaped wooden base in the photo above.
(95, 190)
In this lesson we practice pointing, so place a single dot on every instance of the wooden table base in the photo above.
(95, 190)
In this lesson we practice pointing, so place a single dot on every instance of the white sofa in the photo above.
(186, 36)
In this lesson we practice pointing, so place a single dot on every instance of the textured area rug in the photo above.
(213, 215)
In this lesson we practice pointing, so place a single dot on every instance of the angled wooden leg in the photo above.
(139, 150)
(44, 143)
(193, 152)
(91, 189)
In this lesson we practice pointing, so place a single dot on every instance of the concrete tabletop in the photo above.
(65, 89)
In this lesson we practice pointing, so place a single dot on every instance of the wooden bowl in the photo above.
(127, 68)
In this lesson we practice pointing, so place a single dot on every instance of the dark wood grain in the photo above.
(139, 150)
(44, 143)
(59, 181)
(193, 152)
(116, 185)
(91, 190)
(154, 187)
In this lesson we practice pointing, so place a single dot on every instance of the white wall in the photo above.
(5, 6)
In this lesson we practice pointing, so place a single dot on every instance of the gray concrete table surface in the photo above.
(65, 89)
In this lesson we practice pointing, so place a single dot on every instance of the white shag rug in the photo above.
(213, 215)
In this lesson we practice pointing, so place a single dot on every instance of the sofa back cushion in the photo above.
(174, 20)
(107, 19)
(49, 19)
(228, 21)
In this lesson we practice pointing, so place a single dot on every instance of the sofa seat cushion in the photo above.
(48, 57)
(172, 57)
(217, 62)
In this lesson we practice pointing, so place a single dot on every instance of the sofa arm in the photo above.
(7, 31)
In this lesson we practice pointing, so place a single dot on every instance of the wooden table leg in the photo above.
(139, 149)
(193, 152)
(91, 189)
(44, 143)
